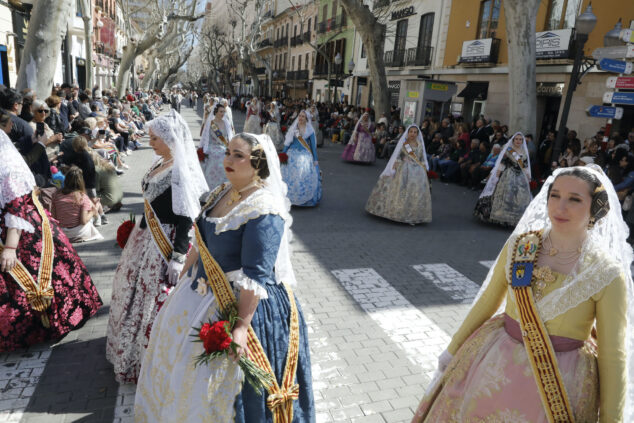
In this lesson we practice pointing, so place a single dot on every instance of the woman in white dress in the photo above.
(253, 123)
(319, 136)
(228, 113)
(272, 128)
(214, 140)
(402, 192)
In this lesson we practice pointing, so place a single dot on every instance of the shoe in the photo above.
(96, 220)
(137, 144)
(119, 171)
(124, 166)
(104, 219)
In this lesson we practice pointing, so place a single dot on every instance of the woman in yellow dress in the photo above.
(559, 344)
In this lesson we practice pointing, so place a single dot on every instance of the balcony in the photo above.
(265, 43)
(260, 70)
(300, 75)
(381, 3)
(281, 42)
(419, 56)
(394, 58)
(321, 69)
(333, 24)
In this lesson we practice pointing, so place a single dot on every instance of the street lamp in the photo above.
(584, 24)
(351, 66)
(337, 64)
(613, 37)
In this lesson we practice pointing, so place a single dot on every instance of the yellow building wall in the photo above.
(606, 11)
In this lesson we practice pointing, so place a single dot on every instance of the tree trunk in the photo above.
(86, 15)
(47, 28)
(123, 79)
(521, 19)
(373, 36)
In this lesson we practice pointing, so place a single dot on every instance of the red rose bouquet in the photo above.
(283, 158)
(124, 231)
(533, 185)
(432, 175)
(283, 128)
(201, 154)
(217, 342)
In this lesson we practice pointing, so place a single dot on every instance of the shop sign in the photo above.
(436, 86)
(621, 82)
(403, 13)
(394, 85)
(553, 44)
(476, 51)
(550, 89)
(412, 94)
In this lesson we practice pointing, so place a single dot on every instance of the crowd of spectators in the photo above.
(75, 142)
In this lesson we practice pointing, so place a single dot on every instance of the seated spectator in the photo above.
(381, 139)
(28, 96)
(626, 185)
(40, 128)
(84, 105)
(481, 172)
(450, 168)
(391, 145)
(74, 211)
(433, 145)
(83, 160)
(477, 155)
(54, 119)
(120, 132)
(593, 154)
(618, 165)
(443, 153)
(571, 155)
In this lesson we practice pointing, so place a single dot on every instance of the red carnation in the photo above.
(533, 185)
(201, 154)
(283, 158)
(321, 125)
(432, 175)
(215, 336)
(124, 231)
(283, 128)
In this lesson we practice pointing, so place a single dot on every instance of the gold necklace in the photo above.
(554, 251)
(235, 195)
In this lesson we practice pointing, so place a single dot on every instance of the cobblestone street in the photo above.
(381, 300)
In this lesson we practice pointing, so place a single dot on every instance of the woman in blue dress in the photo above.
(301, 172)
(244, 225)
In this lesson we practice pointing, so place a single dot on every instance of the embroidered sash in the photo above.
(412, 156)
(304, 143)
(38, 293)
(158, 234)
(280, 398)
(536, 340)
(218, 133)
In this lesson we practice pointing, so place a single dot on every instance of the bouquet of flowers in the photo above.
(283, 158)
(533, 185)
(432, 175)
(201, 154)
(217, 342)
(124, 231)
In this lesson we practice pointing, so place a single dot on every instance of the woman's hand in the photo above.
(8, 259)
(239, 335)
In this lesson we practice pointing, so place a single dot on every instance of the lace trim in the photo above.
(593, 272)
(157, 184)
(13, 221)
(243, 281)
(257, 204)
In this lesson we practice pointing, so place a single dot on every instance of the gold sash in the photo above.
(218, 133)
(536, 340)
(39, 294)
(304, 143)
(412, 156)
(160, 238)
(280, 398)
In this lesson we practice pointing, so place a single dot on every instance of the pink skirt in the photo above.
(490, 379)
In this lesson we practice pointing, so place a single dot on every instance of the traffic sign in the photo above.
(606, 112)
(619, 52)
(619, 98)
(627, 35)
(621, 82)
(616, 66)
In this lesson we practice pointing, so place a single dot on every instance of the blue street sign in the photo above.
(606, 112)
(619, 98)
(617, 66)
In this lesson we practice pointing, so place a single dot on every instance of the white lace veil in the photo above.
(389, 169)
(489, 188)
(356, 127)
(205, 138)
(277, 187)
(605, 255)
(293, 129)
(228, 113)
(188, 181)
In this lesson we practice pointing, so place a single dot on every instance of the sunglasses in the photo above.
(43, 111)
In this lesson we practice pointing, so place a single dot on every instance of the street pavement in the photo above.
(381, 300)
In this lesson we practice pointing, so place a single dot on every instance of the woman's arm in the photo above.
(313, 146)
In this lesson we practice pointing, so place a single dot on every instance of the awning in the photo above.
(476, 90)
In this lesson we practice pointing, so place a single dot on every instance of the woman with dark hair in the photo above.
(45, 289)
(549, 336)
(245, 227)
(216, 135)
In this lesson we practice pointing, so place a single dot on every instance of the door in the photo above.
(399, 43)
(549, 120)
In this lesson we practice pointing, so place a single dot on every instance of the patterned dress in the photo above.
(511, 196)
(75, 300)
(406, 196)
(253, 123)
(212, 165)
(360, 149)
(301, 174)
(272, 129)
(140, 284)
(171, 389)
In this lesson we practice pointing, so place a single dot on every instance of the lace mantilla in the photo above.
(593, 272)
(239, 278)
(157, 184)
(259, 203)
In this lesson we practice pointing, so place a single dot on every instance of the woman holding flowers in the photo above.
(154, 254)
(240, 268)
(301, 172)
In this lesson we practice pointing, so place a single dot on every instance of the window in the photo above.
(562, 14)
(399, 42)
(315, 23)
(324, 14)
(307, 60)
(299, 62)
(489, 17)
(334, 9)
(293, 63)
(295, 31)
(285, 59)
(287, 30)
(363, 52)
(278, 34)
(310, 21)
(425, 31)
